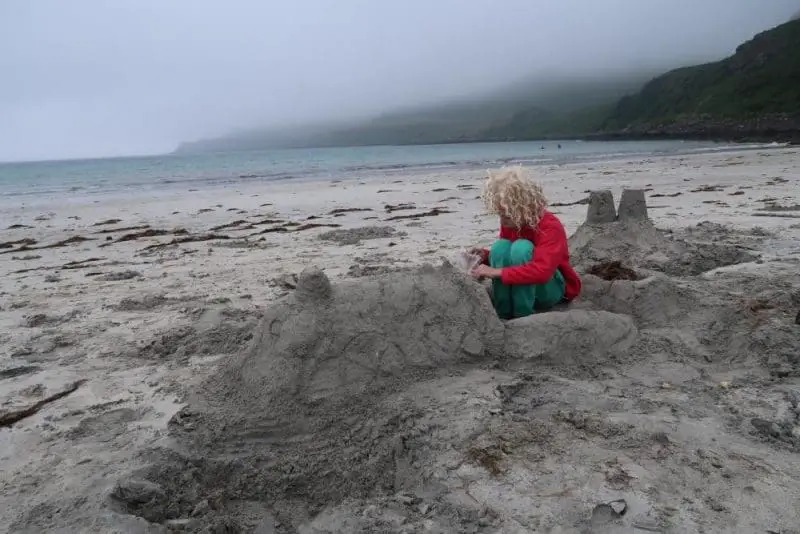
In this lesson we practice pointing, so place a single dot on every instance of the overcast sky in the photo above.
(85, 78)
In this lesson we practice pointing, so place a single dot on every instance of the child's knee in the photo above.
(521, 252)
(500, 251)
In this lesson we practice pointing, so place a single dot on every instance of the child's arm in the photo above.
(551, 247)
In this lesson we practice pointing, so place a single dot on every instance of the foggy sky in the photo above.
(92, 78)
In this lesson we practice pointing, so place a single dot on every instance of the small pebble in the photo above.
(202, 508)
(369, 510)
(404, 499)
(177, 524)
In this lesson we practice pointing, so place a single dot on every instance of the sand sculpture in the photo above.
(627, 233)
(346, 393)
(601, 208)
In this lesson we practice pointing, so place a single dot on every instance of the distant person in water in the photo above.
(529, 263)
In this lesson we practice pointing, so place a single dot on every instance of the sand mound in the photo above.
(628, 234)
(300, 411)
(654, 301)
(326, 347)
(573, 336)
(703, 321)
(387, 403)
(311, 409)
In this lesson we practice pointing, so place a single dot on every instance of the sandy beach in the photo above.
(127, 304)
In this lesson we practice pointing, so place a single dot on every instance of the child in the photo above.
(529, 263)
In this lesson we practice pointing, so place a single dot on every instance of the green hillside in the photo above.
(760, 82)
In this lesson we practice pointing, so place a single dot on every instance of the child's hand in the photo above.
(484, 271)
(480, 252)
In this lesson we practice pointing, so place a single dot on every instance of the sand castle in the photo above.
(627, 233)
(344, 394)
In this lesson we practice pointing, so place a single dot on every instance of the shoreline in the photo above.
(395, 184)
(550, 158)
(790, 138)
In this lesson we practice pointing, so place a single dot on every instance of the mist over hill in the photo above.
(481, 117)
(753, 94)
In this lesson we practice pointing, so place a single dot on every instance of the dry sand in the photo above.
(202, 392)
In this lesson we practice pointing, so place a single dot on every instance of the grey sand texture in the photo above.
(400, 403)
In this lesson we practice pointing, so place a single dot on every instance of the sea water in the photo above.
(21, 182)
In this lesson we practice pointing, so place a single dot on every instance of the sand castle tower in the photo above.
(632, 207)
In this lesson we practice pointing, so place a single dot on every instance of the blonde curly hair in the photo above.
(510, 192)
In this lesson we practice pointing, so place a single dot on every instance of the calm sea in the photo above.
(135, 174)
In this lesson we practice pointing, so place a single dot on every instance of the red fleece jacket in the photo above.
(551, 252)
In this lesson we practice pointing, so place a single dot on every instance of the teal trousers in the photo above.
(516, 301)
